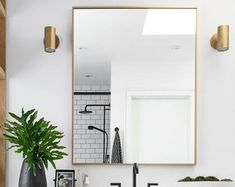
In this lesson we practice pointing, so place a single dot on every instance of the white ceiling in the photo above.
(102, 36)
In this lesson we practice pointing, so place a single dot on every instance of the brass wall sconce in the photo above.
(51, 40)
(220, 40)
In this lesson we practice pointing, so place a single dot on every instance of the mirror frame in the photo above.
(196, 82)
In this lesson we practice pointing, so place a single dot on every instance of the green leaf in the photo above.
(37, 140)
(15, 116)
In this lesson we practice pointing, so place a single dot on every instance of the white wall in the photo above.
(44, 81)
(146, 76)
(159, 127)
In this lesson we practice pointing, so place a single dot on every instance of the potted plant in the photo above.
(205, 181)
(38, 142)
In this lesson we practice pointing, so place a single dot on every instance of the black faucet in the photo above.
(135, 171)
(115, 184)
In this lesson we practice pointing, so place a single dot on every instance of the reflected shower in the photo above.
(90, 127)
(85, 111)
(105, 145)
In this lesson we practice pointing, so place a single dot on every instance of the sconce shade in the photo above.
(220, 40)
(51, 40)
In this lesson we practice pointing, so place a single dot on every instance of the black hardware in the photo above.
(105, 145)
(91, 93)
(115, 184)
(135, 172)
(152, 184)
(91, 127)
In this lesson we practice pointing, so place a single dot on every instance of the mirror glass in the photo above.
(134, 86)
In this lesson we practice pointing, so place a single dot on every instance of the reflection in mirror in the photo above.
(145, 59)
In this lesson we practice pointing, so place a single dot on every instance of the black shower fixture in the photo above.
(85, 111)
(105, 144)
(90, 127)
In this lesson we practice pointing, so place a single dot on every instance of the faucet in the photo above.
(135, 171)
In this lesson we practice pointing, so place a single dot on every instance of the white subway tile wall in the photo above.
(88, 144)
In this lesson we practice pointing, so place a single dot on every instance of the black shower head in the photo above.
(85, 111)
(90, 127)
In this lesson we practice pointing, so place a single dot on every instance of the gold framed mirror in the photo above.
(130, 65)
